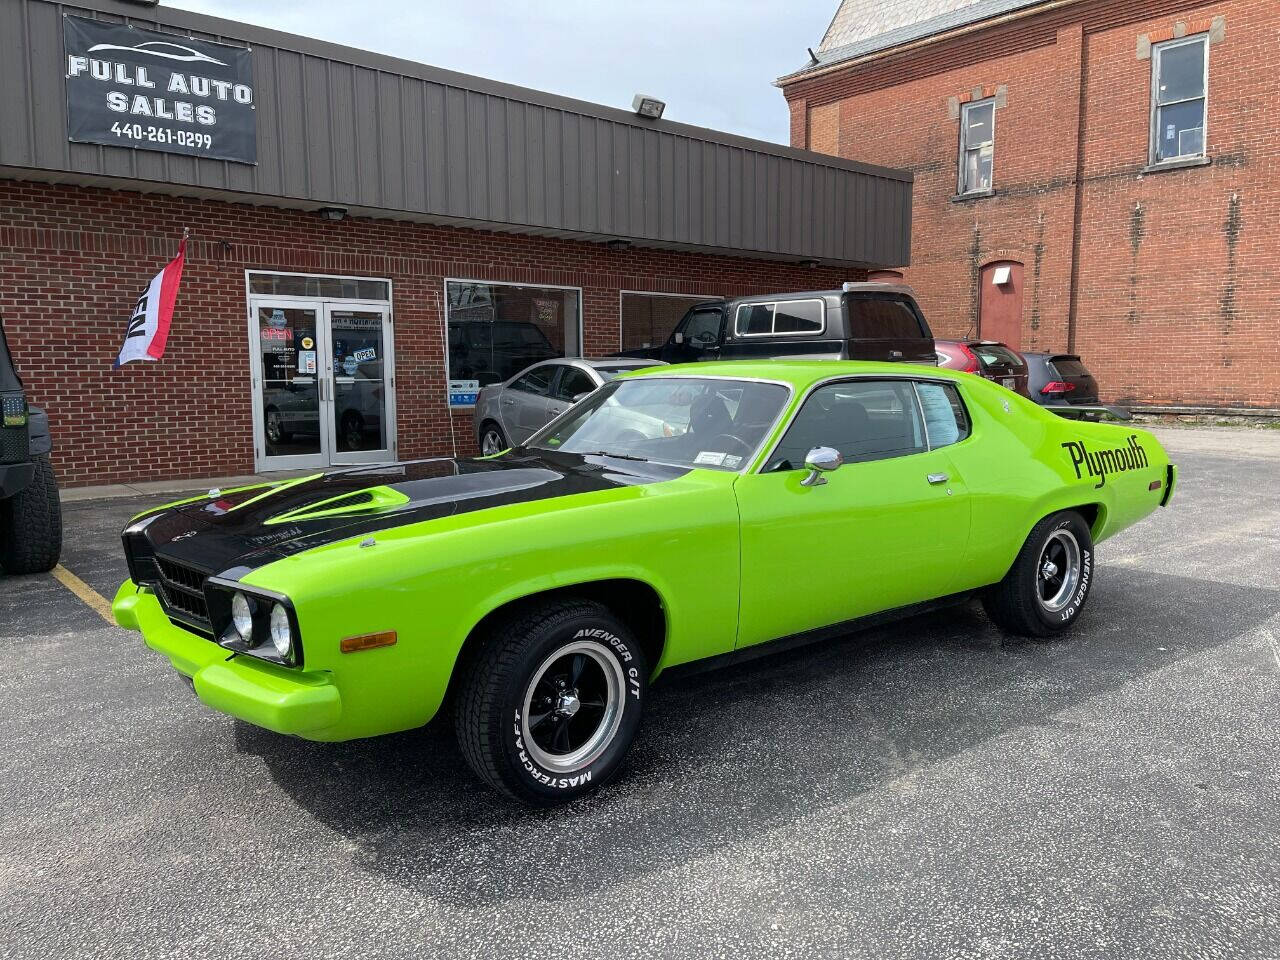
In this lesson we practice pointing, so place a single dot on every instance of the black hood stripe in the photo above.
(245, 530)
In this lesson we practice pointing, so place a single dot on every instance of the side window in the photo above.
(797, 316)
(783, 317)
(703, 326)
(537, 380)
(573, 381)
(863, 419)
(755, 319)
(945, 419)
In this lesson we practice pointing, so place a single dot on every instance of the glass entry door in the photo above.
(323, 379)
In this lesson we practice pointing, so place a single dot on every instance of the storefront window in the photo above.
(498, 329)
(306, 285)
(648, 319)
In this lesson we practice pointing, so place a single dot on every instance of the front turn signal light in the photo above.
(368, 641)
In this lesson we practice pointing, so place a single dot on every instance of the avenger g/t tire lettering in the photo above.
(1049, 583)
(550, 701)
(31, 524)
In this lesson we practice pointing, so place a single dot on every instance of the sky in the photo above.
(712, 61)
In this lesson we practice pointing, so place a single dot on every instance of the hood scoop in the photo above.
(362, 503)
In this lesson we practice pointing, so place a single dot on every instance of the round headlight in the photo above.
(242, 616)
(281, 636)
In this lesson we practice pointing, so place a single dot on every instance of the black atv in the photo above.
(30, 512)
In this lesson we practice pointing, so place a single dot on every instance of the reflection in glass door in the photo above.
(287, 349)
(324, 378)
(359, 416)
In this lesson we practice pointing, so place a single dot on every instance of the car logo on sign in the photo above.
(186, 54)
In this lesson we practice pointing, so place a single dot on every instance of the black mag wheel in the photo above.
(573, 706)
(549, 700)
(1058, 570)
(1047, 587)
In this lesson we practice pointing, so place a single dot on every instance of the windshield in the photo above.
(691, 422)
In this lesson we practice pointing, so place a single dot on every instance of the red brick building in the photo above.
(1131, 182)
(371, 239)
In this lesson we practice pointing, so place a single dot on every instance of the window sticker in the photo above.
(710, 458)
(732, 461)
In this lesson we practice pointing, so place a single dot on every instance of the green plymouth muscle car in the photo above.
(534, 595)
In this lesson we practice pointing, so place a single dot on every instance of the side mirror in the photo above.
(818, 461)
(678, 338)
(580, 396)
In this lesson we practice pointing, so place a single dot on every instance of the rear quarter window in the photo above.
(882, 318)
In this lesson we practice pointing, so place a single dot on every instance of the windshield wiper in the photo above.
(616, 456)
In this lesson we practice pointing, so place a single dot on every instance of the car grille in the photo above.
(182, 593)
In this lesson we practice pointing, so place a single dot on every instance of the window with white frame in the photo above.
(1179, 98)
(977, 146)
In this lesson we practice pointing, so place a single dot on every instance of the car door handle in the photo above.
(938, 478)
(508, 403)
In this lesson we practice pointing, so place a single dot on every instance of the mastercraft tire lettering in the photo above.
(550, 700)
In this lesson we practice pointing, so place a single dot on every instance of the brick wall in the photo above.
(1166, 282)
(73, 260)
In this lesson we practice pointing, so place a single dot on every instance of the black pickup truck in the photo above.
(30, 512)
(862, 321)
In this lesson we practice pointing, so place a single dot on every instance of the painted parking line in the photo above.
(90, 597)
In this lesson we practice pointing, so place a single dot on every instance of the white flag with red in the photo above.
(148, 329)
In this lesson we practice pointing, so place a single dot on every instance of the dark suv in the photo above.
(862, 321)
(30, 513)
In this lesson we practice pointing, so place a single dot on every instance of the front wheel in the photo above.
(1048, 584)
(551, 700)
(31, 524)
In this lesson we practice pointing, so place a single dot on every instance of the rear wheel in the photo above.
(550, 701)
(492, 439)
(31, 524)
(1047, 587)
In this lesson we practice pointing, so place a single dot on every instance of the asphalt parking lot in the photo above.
(925, 790)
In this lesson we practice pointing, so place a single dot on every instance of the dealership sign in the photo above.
(130, 87)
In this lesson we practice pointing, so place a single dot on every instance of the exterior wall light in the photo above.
(333, 213)
(619, 244)
(648, 107)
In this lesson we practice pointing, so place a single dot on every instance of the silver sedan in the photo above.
(507, 414)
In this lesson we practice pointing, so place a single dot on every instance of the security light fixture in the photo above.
(648, 107)
(333, 213)
(810, 263)
(619, 244)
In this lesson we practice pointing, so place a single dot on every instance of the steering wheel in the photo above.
(714, 443)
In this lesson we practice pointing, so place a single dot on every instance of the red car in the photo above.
(986, 358)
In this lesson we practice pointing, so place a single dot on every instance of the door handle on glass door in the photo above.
(938, 478)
